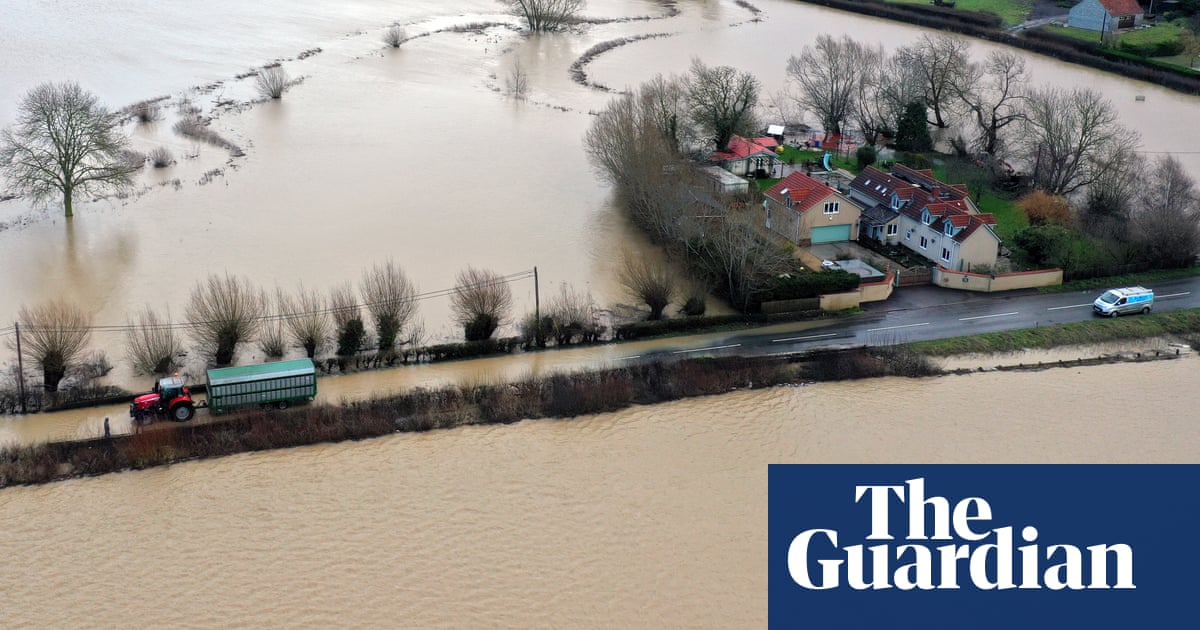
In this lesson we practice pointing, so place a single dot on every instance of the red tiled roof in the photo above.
(1117, 8)
(923, 192)
(740, 148)
(958, 220)
(977, 221)
(804, 191)
(879, 185)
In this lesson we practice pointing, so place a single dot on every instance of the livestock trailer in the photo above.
(277, 384)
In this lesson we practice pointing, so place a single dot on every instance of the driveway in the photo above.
(850, 249)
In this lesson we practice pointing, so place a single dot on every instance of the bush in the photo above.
(1153, 48)
(865, 156)
(810, 284)
(272, 81)
(394, 36)
(161, 157)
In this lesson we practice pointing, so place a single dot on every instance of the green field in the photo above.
(1075, 33)
(1013, 12)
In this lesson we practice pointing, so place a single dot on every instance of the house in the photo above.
(749, 157)
(939, 221)
(1105, 15)
(807, 212)
(723, 182)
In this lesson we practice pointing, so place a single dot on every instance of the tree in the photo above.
(994, 93)
(394, 36)
(650, 284)
(1109, 200)
(912, 131)
(571, 314)
(1042, 246)
(722, 101)
(391, 299)
(665, 103)
(870, 108)
(224, 311)
(546, 15)
(1166, 217)
(1068, 135)
(347, 319)
(1044, 209)
(151, 343)
(307, 320)
(735, 257)
(64, 142)
(481, 302)
(53, 336)
(827, 75)
(940, 61)
(272, 337)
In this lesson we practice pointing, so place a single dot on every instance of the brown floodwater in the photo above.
(414, 154)
(649, 517)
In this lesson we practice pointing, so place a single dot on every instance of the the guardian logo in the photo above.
(948, 545)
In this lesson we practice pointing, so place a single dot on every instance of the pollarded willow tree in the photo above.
(1068, 136)
(546, 15)
(307, 320)
(151, 344)
(224, 311)
(64, 142)
(481, 302)
(53, 335)
(391, 299)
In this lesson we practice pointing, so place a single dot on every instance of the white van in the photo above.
(1116, 302)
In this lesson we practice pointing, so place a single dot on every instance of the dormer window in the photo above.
(895, 201)
(949, 229)
(926, 218)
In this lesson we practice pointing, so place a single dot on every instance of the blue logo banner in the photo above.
(983, 546)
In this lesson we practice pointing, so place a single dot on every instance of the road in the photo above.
(926, 313)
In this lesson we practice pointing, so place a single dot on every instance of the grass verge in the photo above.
(1011, 11)
(1126, 280)
(1096, 331)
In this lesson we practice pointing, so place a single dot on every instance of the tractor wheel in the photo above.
(183, 413)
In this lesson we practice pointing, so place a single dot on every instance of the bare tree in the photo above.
(272, 81)
(546, 15)
(481, 302)
(665, 103)
(1166, 218)
(151, 344)
(827, 74)
(899, 85)
(391, 298)
(940, 61)
(870, 109)
(271, 338)
(53, 336)
(517, 81)
(735, 256)
(626, 144)
(571, 315)
(994, 94)
(1068, 135)
(722, 101)
(347, 319)
(223, 311)
(63, 142)
(307, 320)
(1109, 200)
(394, 36)
(650, 284)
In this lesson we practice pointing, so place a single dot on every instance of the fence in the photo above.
(914, 277)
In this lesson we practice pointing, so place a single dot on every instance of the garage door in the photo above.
(830, 234)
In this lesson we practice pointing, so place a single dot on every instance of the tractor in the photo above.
(170, 398)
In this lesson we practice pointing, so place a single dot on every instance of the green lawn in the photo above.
(1009, 218)
(1122, 281)
(1011, 11)
(1164, 32)
(799, 156)
(1076, 33)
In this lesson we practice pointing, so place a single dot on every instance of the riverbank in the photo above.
(980, 25)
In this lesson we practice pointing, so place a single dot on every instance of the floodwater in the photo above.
(648, 517)
(415, 154)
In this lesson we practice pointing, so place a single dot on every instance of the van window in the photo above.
(1121, 301)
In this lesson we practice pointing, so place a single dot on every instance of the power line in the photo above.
(508, 279)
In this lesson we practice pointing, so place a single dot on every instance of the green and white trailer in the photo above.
(278, 384)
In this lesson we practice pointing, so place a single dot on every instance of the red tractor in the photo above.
(170, 398)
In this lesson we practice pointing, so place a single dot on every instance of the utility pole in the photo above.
(537, 310)
(20, 368)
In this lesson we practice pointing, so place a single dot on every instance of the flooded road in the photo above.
(414, 154)
(649, 517)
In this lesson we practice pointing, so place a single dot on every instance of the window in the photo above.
(945, 254)
(926, 218)
(949, 229)
(924, 242)
(831, 207)
(893, 229)
(908, 235)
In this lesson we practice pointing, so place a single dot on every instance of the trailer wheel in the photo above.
(183, 413)
(283, 404)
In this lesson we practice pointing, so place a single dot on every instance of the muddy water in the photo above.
(650, 517)
(413, 154)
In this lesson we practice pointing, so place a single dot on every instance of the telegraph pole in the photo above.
(537, 309)
(20, 368)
